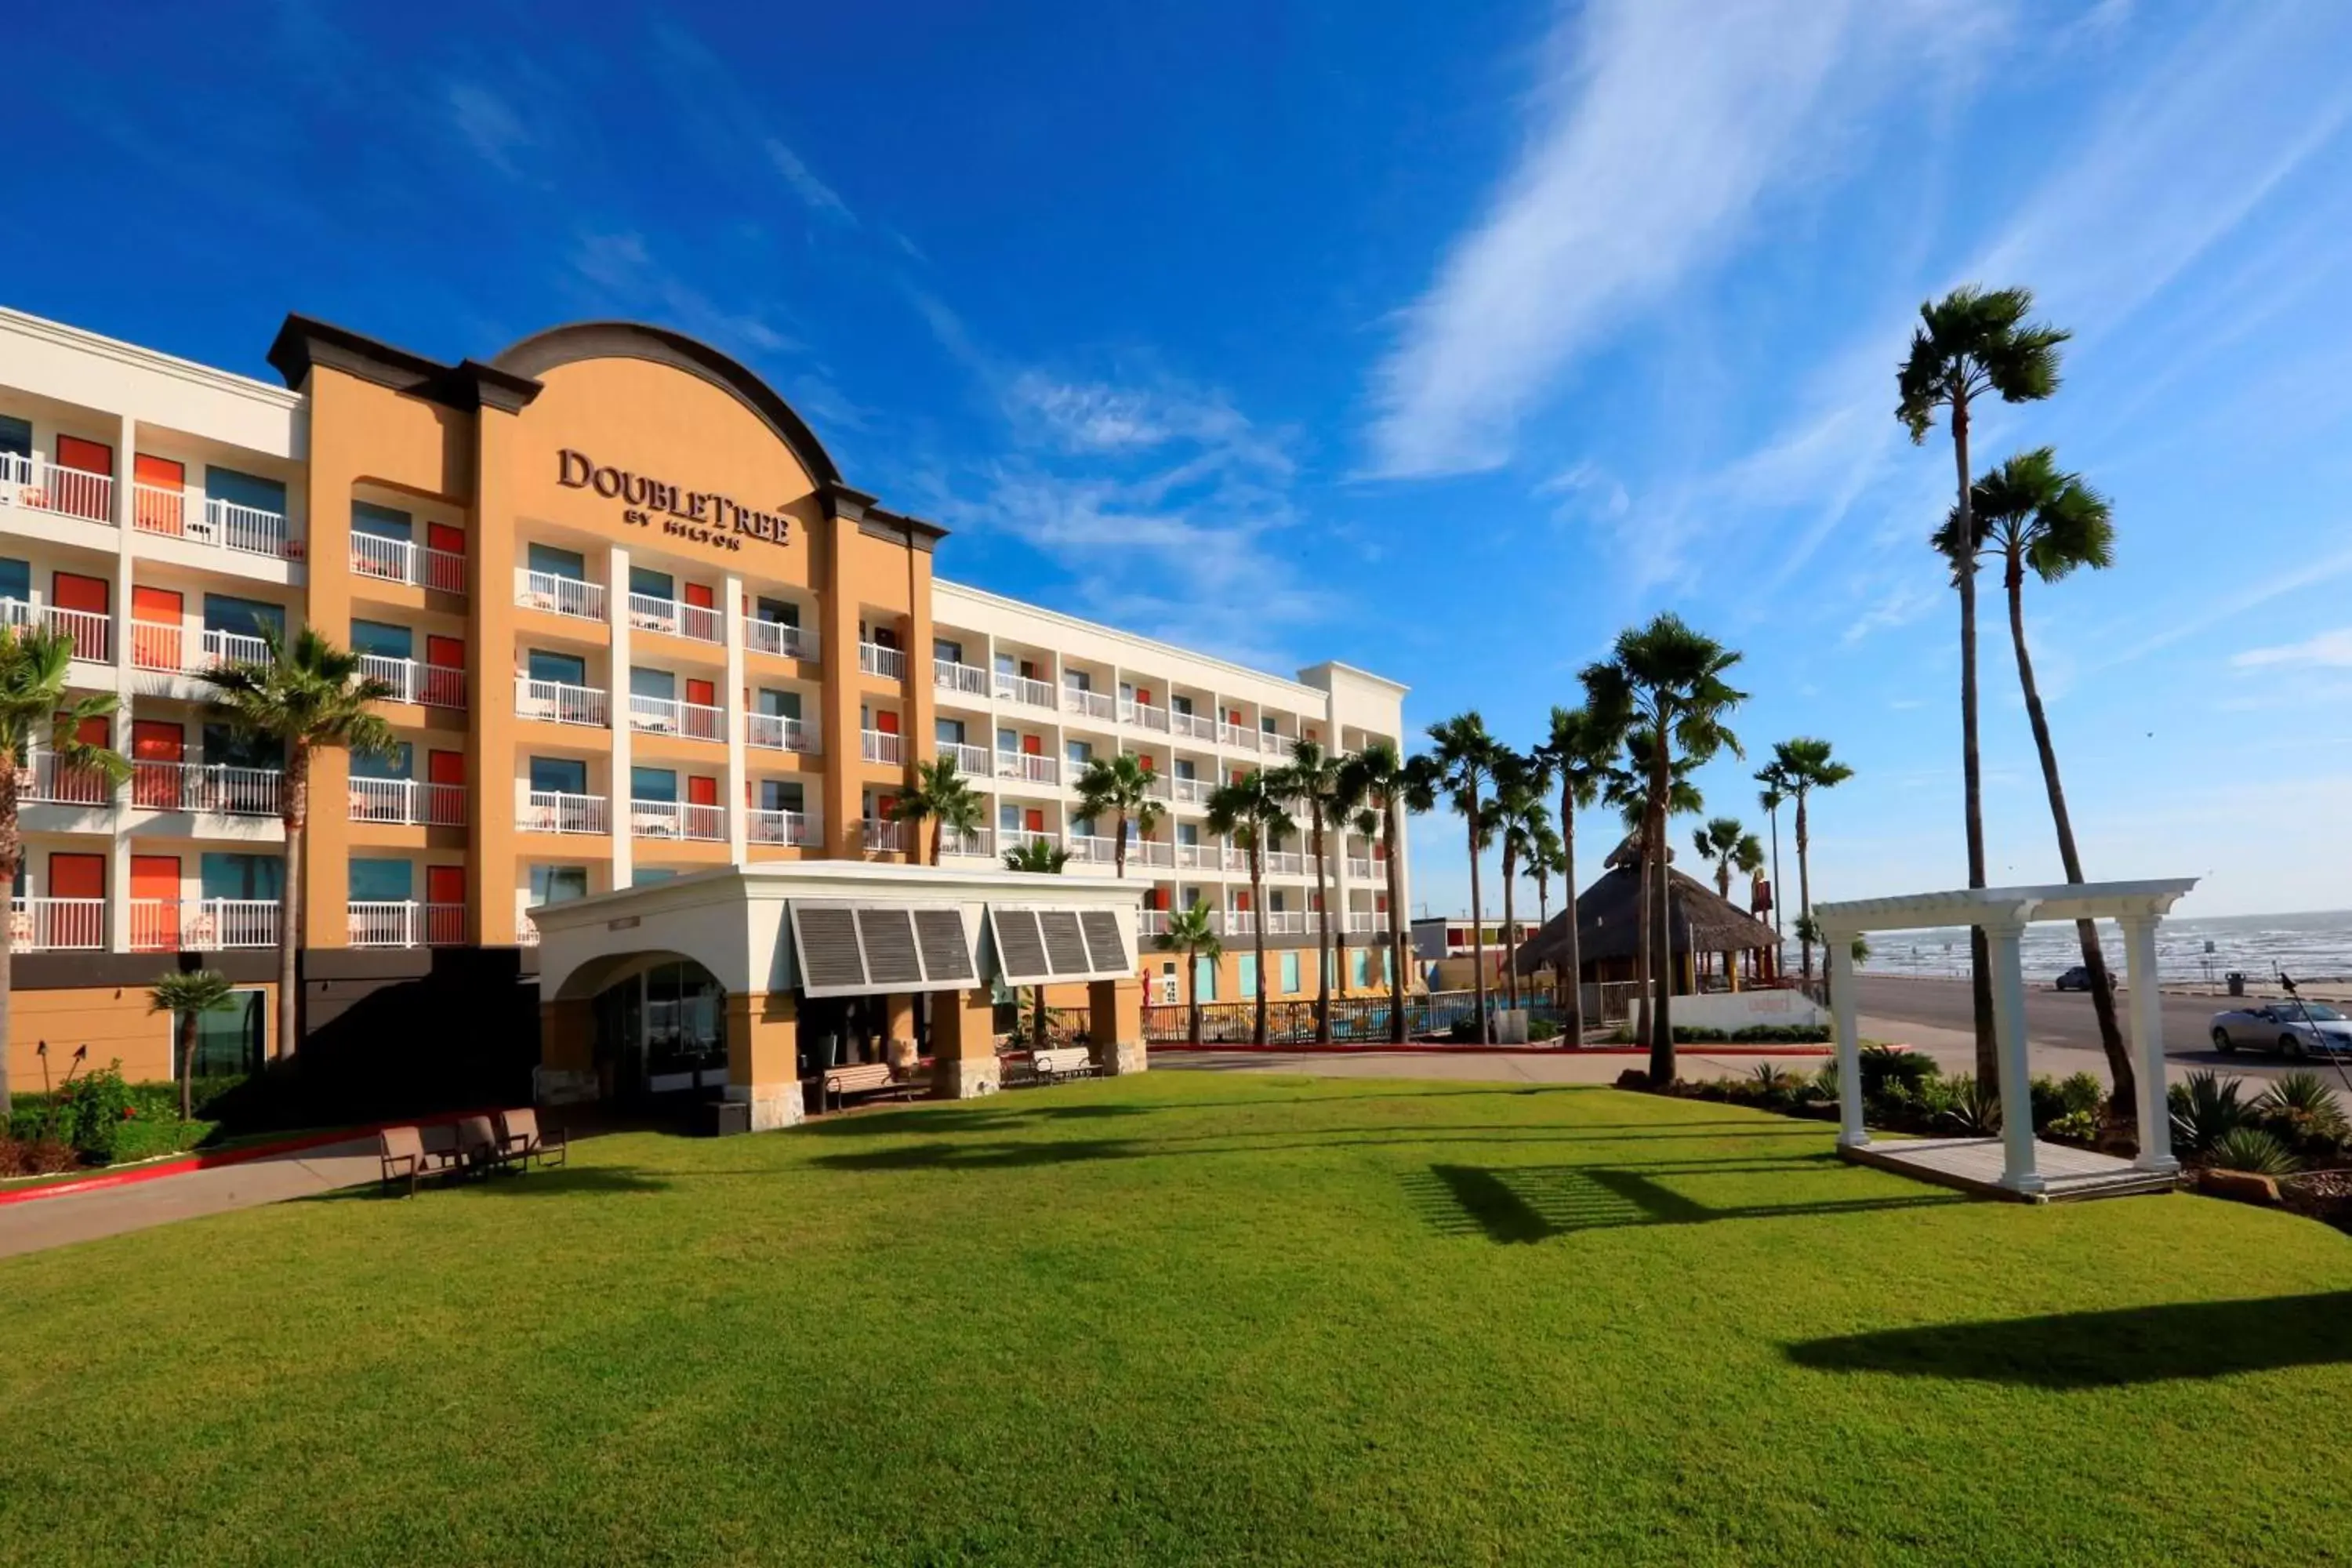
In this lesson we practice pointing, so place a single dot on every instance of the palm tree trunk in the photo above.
(1257, 925)
(1397, 1030)
(1038, 1022)
(1642, 942)
(1573, 970)
(12, 854)
(1193, 991)
(1777, 936)
(1322, 941)
(1805, 892)
(1477, 927)
(1972, 765)
(1510, 928)
(1118, 846)
(1661, 947)
(187, 1032)
(2102, 1000)
(297, 821)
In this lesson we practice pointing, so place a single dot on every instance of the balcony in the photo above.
(207, 789)
(526, 928)
(409, 801)
(573, 597)
(697, 622)
(1194, 725)
(1089, 704)
(1367, 923)
(1283, 747)
(165, 647)
(202, 925)
(691, 720)
(1151, 922)
(677, 819)
(1237, 923)
(547, 811)
(433, 685)
(889, 663)
(793, 827)
(1292, 922)
(1021, 688)
(90, 631)
(775, 637)
(1199, 858)
(56, 925)
(964, 680)
(1087, 850)
(881, 746)
(404, 922)
(36, 484)
(1143, 715)
(1010, 839)
(200, 519)
(1238, 737)
(48, 780)
(1284, 863)
(406, 560)
(554, 702)
(778, 732)
(979, 844)
(1359, 867)
(1191, 792)
(879, 837)
(1030, 768)
(970, 761)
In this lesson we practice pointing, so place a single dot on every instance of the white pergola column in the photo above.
(1851, 1134)
(2001, 933)
(2147, 1010)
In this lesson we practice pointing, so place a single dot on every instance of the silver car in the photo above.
(2290, 1028)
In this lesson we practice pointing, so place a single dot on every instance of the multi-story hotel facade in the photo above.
(635, 623)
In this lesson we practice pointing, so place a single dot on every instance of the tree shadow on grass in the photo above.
(1519, 1205)
(2104, 1349)
(588, 1180)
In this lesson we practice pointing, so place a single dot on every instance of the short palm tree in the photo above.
(943, 797)
(1464, 756)
(1192, 931)
(1393, 786)
(1319, 780)
(1626, 788)
(1725, 842)
(1584, 741)
(1521, 821)
(1254, 812)
(2035, 516)
(1969, 343)
(308, 696)
(1545, 859)
(36, 666)
(1807, 765)
(1042, 858)
(1120, 788)
(186, 993)
(1672, 678)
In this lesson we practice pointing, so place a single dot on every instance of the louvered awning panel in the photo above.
(832, 963)
(1020, 951)
(1065, 946)
(946, 947)
(870, 949)
(889, 939)
(1105, 944)
(1037, 946)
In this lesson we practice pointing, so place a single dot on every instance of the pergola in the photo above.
(2003, 913)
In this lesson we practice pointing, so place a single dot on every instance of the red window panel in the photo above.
(884, 805)
(85, 457)
(1144, 695)
(1034, 821)
(886, 722)
(69, 591)
(1033, 745)
(156, 788)
(77, 876)
(702, 692)
(1241, 898)
(444, 884)
(447, 653)
(699, 594)
(701, 790)
(159, 503)
(82, 497)
(441, 536)
(444, 767)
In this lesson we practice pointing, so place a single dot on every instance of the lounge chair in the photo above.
(402, 1154)
(478, 1145)
(521, 1142)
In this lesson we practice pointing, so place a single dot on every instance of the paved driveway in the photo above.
(38, 1223)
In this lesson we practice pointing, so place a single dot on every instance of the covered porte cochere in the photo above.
(2017, 1164)
(790, 969)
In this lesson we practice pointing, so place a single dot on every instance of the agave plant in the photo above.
(1773, 1078)
(2252, 1149)
(2300, 1106)
(2205, 1110)
(1972, 1109)
(1825, 1082)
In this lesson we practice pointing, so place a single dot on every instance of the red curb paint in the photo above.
(1560, 1051)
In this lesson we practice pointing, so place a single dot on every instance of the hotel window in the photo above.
(16, 436)
(558, 884)
(1008, 740)
(251, 491)
(1080, 753)
(653, 585)
(779, 794)
(1188, 833)
(226, 746)
(1078, 680)
(549, 561)
(559, 775)
(1008, 818)
(241, 877)
(948, 731)
(780, 704)
(243, 618)
(1289, 972)
(382, 521)
(656, 683)
(1179, 704)
(401, 764)
(563, 669)
(15, 580)
(653, 784)
(778, 613)
(1204, 982)
(383, 640)
(382, 882)
(1184, 769)
(945, 650)
(1248, 971)
(647, 875)
(1084, 827)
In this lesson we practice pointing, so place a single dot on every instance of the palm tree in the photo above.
(1966, 344)
(1254, 812)
(2036, 516)
(1806, 764)
(945, 798)
(1393, 786)
(1725, 841)
(1464, 756)
(35, 665)
(1194, 934)
(1582, 744)
(1520, 820)
(1121, 787)
(185, 993)
(1043, 858)
(1772, 797)
(1627, 788)
(1673, 678)
(1546, 857)
(306, 696)
(1318, 779)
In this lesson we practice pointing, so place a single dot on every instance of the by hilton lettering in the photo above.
(699, 517)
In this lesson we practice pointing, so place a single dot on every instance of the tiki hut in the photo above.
(1608, 928)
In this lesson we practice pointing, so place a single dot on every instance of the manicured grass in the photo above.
(1189, 1318)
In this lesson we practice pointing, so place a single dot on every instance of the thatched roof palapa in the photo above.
(1608, 922)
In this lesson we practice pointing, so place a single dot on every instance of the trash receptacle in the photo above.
(2236, 979)
(723, 1118)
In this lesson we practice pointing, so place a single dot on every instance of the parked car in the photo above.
(2079, 979)
(2292, 1030)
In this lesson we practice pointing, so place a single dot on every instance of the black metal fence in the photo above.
(1355, 1020)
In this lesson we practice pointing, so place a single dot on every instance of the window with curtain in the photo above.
(223, 875)
(383, 639)
(548, 561)
(382, 521)
(653, 784)
(243, 618)
(558, 884)
(653, 585)
(379, 881)
(401, 764)
(559, 775)
(563, 669)
(245, 489)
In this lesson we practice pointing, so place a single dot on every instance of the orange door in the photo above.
(157, 504)
(441, 536)
(68, 591)
(1241, 898)
(444, 767)
(157, 788)
(700, 594)
(1033, 745)
(155, 903)
(444, 884)
(701, 790)
(703, 693)
(77, 876)
(446, 653)
(83, 498)
(886, 722)
(155, 628)
(1035, 821)
(445, 679)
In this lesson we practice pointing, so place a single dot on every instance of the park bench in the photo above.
(401, 1155)
(1062, 1061)
(859, 1079)
(520, 1141)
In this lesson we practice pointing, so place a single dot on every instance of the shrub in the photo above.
(2301, 1112)
(93, 1117)
(1700, 1035)
(2076, 1126)
(2252, 1149)
(37, 1156)
(2205, 1110)
(2082, 1091)
(1780, 1035)
(1973, 1109)
(1825, 1082)
(1541, 1029)
(1880, 1063)
(1773, 1078)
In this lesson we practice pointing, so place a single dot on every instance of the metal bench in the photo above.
(1061, 1062)
(860, 1079)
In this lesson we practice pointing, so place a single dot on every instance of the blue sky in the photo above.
(1442, 340)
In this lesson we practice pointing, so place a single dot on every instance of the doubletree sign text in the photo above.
(699, 517)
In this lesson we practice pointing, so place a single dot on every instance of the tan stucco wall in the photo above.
(113, 1021)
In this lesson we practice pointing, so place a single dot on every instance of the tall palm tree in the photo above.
(1042, 858)
(1673, 678)
(1520, 820)
(1725, 842)
(1969, 343)
(185, 994)
(1318, 779)
(1806, 764)
(1772, 798)
(1119, 787)
(1394, 786)
(1253, 811)
(1583, 743)
(1546, 857)
(308, 696)
(1626, 787)
(944, 797)
(2035, 516)
(1464, 756)
(1194, 934)
(35, 664)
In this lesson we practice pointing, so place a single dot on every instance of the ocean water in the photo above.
(2317, 945)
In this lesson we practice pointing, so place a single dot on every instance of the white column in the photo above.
(1851, 1134)
(616, 703)
(2002, 931)
(125, 499)
(117, 882)
(2147, 1007)
(737, 798)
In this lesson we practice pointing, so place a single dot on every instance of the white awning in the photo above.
(1040, 943)
(858, 949)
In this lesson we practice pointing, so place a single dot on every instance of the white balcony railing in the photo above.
(210, 789)
(189, 514)
(403, 923)
(1289, 922)
(1090, 704)
(1359, 867)
(202, 925)
(547, 811)
(573, 597)
(661, 716)
(970, 761)
(49, 925)
(676, 819)
(1091, 849)
(881, 746)
(1144, 715)
(1367, 923)
(781, 827)
(1238, 923)
(778, 732)
(889, 663)
(774, 636)
(1284, 863)
(1150, 852)
(979, 844)
(1031, 767)
(554, 702)
(879, 835)
(1199, 858)
(1021, 688)
(90, 631)
(39, 485)
(1235, 858)
(698, 622)
(406, 560)
(167, 648)
(1151, 922)
(966, 679)
(1190, 791)
(1240, 737)
(433, 685)
(414, 801)
(1279, 745)
(47, 779)
(526, 928)
(1196, 725)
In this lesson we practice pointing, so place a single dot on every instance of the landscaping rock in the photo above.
(1633, 1078)
(2239, 1186)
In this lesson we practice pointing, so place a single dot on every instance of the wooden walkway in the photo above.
(1975, 1164)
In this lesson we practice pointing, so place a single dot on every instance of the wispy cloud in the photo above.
(1897, 606)
(814, 192)
(621, 271)
(488, 123)
(2231, 607)
(2328, 650)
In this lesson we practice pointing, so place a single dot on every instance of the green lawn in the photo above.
(1191, 1318)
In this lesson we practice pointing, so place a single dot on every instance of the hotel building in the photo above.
(636, 624)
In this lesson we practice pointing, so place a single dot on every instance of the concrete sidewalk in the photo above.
(1468, 1065)
(37, 1224)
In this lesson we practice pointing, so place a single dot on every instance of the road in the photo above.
(2061, 1023)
